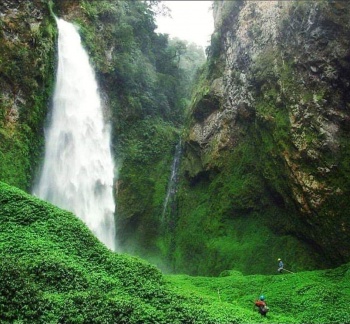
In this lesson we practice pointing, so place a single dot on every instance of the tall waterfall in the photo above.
(78, 169)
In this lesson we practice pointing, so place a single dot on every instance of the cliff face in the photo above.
(275, 106)
(26, 77)
(265, 171)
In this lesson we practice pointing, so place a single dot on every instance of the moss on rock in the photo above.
(27, 34)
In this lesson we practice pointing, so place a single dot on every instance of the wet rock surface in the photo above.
(284, 74)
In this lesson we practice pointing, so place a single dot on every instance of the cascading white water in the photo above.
(173, 179)
(78, 169)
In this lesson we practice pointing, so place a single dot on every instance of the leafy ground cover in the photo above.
(305, 297)
(53, 270)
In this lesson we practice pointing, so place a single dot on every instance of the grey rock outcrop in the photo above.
(280, 70)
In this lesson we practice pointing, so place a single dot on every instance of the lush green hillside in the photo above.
(54, 270)
(306, 297)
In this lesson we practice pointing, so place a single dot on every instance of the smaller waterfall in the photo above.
(172, 185)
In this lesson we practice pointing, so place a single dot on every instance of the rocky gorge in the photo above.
(264, 171)
(275, 102)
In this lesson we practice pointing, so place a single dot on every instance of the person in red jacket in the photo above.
(261, 304)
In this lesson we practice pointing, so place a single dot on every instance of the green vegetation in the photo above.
(233, 204)
(148, 80)
(278, 182)
(304, 297)
(148, 151)
(144, 73)
(26, 82)
(54, 270)
(232, 220)
(145, 78)
(238, 202)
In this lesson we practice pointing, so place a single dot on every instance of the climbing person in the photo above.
(261, 304)
(280, 265)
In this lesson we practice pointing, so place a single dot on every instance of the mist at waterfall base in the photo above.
(78, 169)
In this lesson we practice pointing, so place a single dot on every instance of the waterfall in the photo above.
(78, 168)
(171, 191)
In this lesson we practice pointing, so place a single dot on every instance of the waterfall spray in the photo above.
(78, 168)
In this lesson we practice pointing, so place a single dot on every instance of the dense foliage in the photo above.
(221, 214)
(312, 297)
(226, 217)
(232, 202)
(142, 72)
(265, 171)
(53, 270)
(26, 82)
(146, 79)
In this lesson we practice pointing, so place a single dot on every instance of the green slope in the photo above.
(306, 297)
(53, 270)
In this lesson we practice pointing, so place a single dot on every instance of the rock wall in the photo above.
(278, 80)
(27, 39)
